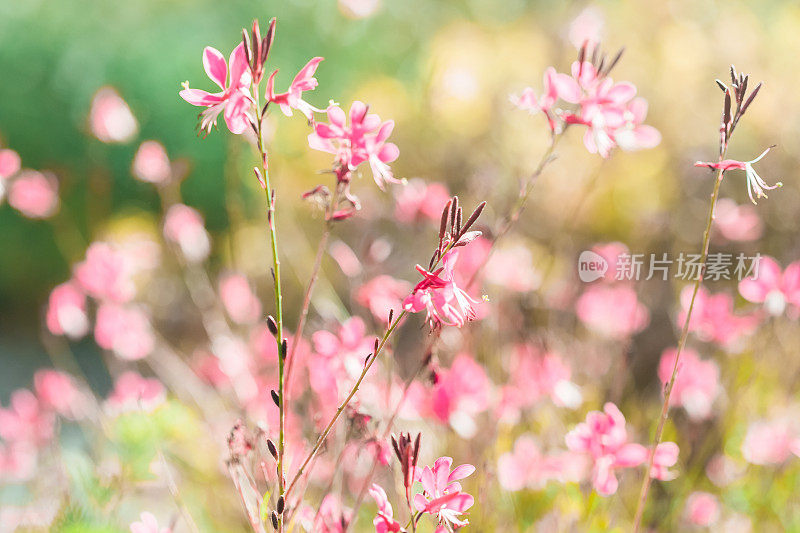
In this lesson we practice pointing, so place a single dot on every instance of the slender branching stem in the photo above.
(324, 435)
(519, 204)
(321, 247)
(681, 344)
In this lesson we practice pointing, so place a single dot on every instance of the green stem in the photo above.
(681, 344)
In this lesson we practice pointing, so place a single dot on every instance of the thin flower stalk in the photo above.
(728, 124)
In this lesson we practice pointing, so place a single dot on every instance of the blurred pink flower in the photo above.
(665, 457)
(771, 287)
(133, 392)
(234, 99)
(57, 391)
(332, 517)
(512, 267)
(605, 439)
(110, 118)
(364, 139)
(151, 163)
(293, 98)
(184, 227)
(441, 491)
(359, 9)
(17, 463)
(737, 222)
(124, 330)
(346, 258)
(384, 522)
(345, 350)
(532, 376)
(587, 28)
(381, 294)
(438, 294)
(610, 252)
(105, 274)
(242, 305)
(527, 467)
(10, 163)
(697, 384)
(458, 394)
(613, 311)
(66, 311)
(420, 200)
(34, 194)
(148, 524)
(713, 319)
(528, 101)
(755, 184)
(769, 442)
(702, 509)
(26, 420)
(634, 134)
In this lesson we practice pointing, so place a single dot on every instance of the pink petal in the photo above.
(200, 98)
(215, 66)
(389, 152)
(769, 277)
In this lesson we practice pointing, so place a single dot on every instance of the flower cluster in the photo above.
(611, 114)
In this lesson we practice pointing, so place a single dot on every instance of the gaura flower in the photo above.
(438, 293)
(384, 522)
(363, 139)
(528, 101)
(755, 184)
(293, 98)
(148, 524)
(772, 287)
(234, 99)
(441, 492)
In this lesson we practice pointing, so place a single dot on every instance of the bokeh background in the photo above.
(443, 71)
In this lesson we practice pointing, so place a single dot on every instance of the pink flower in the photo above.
(17, 462)
(57, 391)
(772, 287)
(755, 184)
(587, 28)
(242, 305)
(332, 517)
(634, 134)
(713, 319)
(769, 442)
(110, 118)
(151, 163)
(532, 376)
(512, 267)
(66, 311)
(34, 194)
(124, 330)
(665, 457)
(441, 492)
(527, 467)
(702, 509)
(613, 311)
(438, 294)
(104, 274)
(133, 392)
(148, 524)
(293, 98)
(26, 420)
(381, 294)
(184, 227)
(528, 101)
(419, 200)
(9, 163)
(697, 384)
(234, 99)
(459, 393)
(605, 439)
(737, 222)
(364, 139)
(384, 521)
